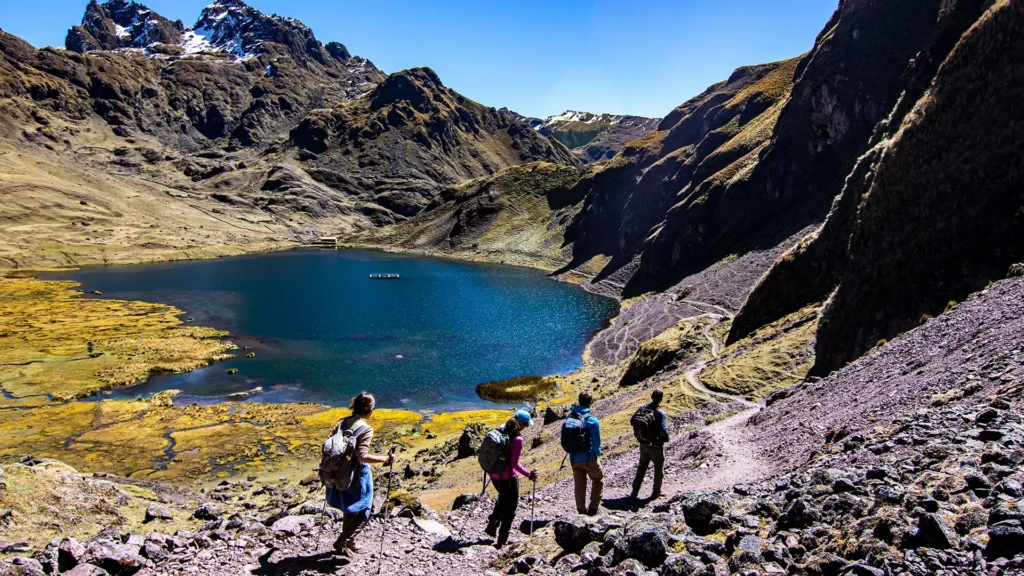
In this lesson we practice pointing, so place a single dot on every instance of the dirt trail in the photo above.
(733, 456)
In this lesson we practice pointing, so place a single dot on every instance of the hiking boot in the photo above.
(341, 544)
(492, 529)
(592, 511)
(655, 495)
(501, 541)
(354, 548)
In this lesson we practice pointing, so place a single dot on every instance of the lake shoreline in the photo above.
(158, 407)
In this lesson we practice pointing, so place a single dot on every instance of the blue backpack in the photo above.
(575, 436)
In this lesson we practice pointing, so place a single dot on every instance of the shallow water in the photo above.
(322, 330)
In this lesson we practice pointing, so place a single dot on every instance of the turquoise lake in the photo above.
(323, 330)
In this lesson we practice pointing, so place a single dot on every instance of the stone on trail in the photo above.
(681, 565)
(798, 514)
(572, 537)
(432, 527)
(1005, 539)
(86, 570)
(698, 512)
(207, 512)
(463, 500)
(158, 512)
(292, 525)
(644, 539)
(21, 566)
(862, 570)
(69, 553)
(118, 559)
(932, 532)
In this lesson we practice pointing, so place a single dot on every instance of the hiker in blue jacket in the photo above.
(585, 464)
(652, 449)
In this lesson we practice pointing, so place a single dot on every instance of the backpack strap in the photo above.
(360, 430)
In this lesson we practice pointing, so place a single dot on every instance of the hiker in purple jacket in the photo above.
(499, 523)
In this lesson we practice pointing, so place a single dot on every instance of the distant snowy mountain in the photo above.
(225, 27)
(591, 137)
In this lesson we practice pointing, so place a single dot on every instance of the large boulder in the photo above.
(1005, 539)
(157, 512)
(69, 554)
(573, 537)
(699, 511)
(207, 512)
(432, 527)
(292, 525)
(116, 558)
(645, 539)
(798, 514)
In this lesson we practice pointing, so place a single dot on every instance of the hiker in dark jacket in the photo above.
(357, 502)
(499, 523)
(585, 464)
(654, 451)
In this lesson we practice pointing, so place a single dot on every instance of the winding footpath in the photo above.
(736, 460)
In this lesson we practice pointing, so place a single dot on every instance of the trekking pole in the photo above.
(387, 498)
(533, 504)
(475, 505)
(564, 458)
(323, 511)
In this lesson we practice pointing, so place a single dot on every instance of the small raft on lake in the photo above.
(384, 276)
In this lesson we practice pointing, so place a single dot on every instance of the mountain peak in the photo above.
(225, 26)
(237, 28)
(121, 24)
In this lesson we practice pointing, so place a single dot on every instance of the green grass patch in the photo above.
(521, 389)
(718, 417)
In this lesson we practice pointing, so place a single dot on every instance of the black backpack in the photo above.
(494, 451)
(575, 436)
(645, 425)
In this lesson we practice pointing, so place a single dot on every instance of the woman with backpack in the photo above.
(499, 523)
(356, 502)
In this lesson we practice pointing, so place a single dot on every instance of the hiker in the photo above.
(499, 523)
(581, 437)
(356, 502)
(650, 426)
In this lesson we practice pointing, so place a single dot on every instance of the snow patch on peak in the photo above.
(194, 41)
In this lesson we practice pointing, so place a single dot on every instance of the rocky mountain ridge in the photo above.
(203, 125)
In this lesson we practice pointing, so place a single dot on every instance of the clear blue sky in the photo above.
(537, 57)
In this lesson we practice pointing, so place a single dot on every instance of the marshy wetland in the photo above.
(135, 379)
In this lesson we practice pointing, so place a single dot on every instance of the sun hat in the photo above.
(523, 417)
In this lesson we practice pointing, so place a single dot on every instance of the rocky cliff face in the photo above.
(743, 168)
(930, 213)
